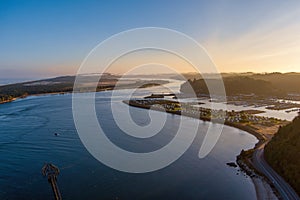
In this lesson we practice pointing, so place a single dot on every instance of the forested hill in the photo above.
(59, 84)
(288, 82)
(270, 84)
(65, 84)
(233, 86)
(283, 153)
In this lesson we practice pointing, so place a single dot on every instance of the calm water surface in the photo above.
(27, 141)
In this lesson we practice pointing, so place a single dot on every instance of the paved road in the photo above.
(285, 190)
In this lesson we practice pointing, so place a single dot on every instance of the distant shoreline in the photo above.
(147, 85)
(25, 96)
(10, 100)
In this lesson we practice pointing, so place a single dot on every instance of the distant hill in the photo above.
(64, 84)
(194, 75)
(234, 85)
(279, 84)
(59, 84)
(288, 82)
(283, 153)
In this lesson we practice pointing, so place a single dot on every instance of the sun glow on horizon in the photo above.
(240, 36)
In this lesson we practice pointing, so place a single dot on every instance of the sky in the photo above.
(51, 38)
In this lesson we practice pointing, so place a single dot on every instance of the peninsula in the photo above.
(263, 128)
(64, 84)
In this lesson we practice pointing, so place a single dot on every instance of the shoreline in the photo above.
(10, 100)
(259, 181)
(147, 85)
(260, 137)
(32, 95)
(263, 187)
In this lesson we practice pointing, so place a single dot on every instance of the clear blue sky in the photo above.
(46, 38)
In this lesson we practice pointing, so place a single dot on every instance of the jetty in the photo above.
(161, 95)
(51, 171)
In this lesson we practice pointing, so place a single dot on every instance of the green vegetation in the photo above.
(288, 82)
(65, 84)
(233, 86)
(283, 153)
(272, 84)
(55, 85)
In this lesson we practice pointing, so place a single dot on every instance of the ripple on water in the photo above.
(27, 140)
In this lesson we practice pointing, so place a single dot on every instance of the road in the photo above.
(284, 189)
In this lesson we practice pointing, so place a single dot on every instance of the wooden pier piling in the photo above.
(51, 171)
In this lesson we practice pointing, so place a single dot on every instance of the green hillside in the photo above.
(233, 86)
(283, 153)
(269, 84)
(288, 82)
(64, 84)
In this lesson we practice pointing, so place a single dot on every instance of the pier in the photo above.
(51, 171)
(162, 95)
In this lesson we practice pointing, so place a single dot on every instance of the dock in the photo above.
(162, 95)
(51, 171)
